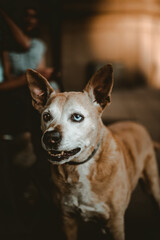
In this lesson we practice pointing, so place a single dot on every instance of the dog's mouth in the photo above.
(61, 155)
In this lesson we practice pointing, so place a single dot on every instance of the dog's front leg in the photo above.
(70, 228)
(116, 226)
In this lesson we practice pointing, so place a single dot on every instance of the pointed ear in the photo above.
(100, 86)
(39, 87)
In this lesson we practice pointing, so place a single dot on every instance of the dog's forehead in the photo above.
(69, 100)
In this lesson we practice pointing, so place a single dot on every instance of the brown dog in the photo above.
(94, 168)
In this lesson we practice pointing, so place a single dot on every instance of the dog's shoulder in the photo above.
(128, 131)
(125, 126)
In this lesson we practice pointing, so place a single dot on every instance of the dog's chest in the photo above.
(82, 200)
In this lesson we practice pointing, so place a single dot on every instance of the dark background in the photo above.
(82, 36)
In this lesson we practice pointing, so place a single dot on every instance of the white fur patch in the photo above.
(82, 198)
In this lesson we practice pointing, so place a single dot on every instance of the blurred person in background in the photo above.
(20, 49)
(24, 50)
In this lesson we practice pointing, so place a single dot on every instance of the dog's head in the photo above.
(71, 121)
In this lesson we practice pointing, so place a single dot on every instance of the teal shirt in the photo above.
(20, 61)
(1, 72)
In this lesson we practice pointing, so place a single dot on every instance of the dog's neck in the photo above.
(70, 168)
(70, 174)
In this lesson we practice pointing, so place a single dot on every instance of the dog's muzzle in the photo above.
(52, 139)
(57, 156)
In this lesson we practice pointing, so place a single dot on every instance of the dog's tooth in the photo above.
(62, 153)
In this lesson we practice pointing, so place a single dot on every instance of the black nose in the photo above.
(51, 138)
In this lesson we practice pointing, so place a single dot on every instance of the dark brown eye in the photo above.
(47, 117)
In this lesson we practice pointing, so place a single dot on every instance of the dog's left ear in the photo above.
(100, 86)
(39, 87)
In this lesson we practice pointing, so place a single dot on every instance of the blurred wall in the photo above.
(48, 23)
(83, 32)
(120, 32)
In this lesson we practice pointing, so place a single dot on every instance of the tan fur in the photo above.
(102, 186)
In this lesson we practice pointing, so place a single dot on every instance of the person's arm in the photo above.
(49, 73)
(22, 39)
(45, 71)
(14, 83)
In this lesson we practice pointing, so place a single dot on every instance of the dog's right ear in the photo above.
(100, 86)
(39, 87)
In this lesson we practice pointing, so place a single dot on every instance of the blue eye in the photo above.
(76, 117)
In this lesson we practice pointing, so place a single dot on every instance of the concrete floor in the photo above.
(26, 210)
